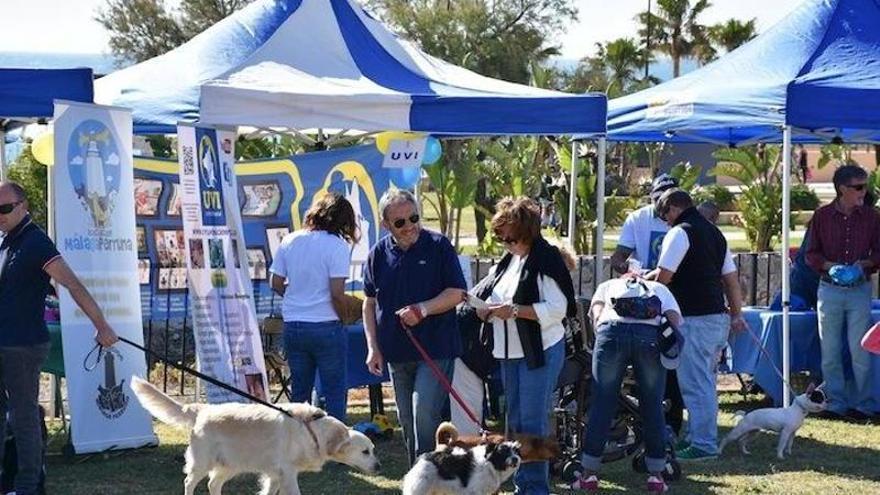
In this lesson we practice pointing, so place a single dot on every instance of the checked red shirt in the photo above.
(845, 239)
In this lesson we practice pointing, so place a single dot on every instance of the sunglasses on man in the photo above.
(6, 208)
(400, 222)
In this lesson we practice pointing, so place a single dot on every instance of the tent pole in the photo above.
(600, 212)
(572, 194)
(786, 289)
(2, 154)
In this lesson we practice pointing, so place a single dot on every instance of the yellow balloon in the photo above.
(383, 139)
(43, 148)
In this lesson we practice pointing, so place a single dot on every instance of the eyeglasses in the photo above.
(6, 209)
(857, 187)
(400, 222)
(505, 240)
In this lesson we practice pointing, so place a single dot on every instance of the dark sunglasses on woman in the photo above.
(400, 222)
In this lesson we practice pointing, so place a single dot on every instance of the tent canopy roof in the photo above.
(27, 94)
(329, 64)
(818, 69)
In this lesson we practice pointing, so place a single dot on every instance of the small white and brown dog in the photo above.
(229, 439)
(457, 470)
(783, 420)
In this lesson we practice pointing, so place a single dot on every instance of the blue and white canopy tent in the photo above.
(813, 77)
(27, 95)
(328, 64)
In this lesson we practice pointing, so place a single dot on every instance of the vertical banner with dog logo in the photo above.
(221, 295)
(93, 199)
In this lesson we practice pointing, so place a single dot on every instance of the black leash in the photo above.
(100, 354)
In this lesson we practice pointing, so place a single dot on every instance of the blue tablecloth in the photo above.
(358, 374)
(806, 352)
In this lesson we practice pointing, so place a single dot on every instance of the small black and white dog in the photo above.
(456, 471)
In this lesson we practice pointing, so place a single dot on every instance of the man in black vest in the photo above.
(698, 268)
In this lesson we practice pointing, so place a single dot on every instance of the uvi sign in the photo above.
(404, 153)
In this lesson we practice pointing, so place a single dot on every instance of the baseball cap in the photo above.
(670, 343)
(662, 183)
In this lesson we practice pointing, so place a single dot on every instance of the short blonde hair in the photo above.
(523, 214)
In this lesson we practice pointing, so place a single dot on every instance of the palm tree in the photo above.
(622, 59)
(674, 29)
(732, 34)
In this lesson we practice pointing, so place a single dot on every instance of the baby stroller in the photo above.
(570, 411)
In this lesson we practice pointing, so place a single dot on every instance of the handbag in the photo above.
(639, 302)
(274, 323)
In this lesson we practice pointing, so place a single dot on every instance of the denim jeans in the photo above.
(845, 311)
(20, 397)
(527, 393)
(321, 347)
(420, 399)
(704, 337)
(617, 346)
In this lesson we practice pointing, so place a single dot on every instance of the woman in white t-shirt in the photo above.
(309, 270)
(634, 339)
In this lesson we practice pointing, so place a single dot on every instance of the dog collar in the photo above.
(314, 437)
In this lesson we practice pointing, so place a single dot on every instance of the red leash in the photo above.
(438, 373)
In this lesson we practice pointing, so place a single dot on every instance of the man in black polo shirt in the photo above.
(412, 278)
(698, 268)
(28, 259)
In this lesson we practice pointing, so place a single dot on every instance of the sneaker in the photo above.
(694, 454)
(681, 444)
(589, 483)
(657, 485)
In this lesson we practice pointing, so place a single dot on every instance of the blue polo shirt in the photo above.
(398, 278)
(24, 285)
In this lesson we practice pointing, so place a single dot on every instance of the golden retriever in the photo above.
(229, 439)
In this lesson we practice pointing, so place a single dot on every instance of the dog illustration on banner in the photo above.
(111, 400)
(94, 170)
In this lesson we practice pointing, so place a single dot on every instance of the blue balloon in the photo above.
(405, 178)
(433, 150)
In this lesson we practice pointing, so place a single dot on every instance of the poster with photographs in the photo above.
(141, 232)
(144, 271)
(261, 200)
(257, 263)
(170, 248)
(275, 235)
(174, 201)
(172, 278)
(146, 196)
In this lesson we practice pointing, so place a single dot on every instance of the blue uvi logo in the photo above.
(94, 165)
(210, 178)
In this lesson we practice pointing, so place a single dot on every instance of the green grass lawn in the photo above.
(829, 457)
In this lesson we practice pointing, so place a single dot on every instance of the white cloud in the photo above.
(77, 160)
(113, 159)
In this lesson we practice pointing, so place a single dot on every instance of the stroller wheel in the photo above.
(672, 472)
(571, 470)
(638, 462)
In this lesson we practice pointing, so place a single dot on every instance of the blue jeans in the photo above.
(617, 346)
(844, 317)
(527, 393)
(704, 337)
(420, 399)
(321, 347)
(19, 396)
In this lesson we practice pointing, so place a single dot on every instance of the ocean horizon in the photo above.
(101, 64)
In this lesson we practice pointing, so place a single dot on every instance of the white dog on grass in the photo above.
(228, 439)
(783, 420)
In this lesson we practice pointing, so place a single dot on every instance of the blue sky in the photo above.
(68, 25)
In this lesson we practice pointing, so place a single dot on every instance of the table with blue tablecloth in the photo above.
(805, 349)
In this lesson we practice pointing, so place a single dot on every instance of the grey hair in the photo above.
(20, 194)
(395, 196)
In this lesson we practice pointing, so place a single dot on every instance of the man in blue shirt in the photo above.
(28, 260)
(412, 278)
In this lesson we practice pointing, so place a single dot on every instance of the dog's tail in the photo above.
(164, 408)
(446, 434)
